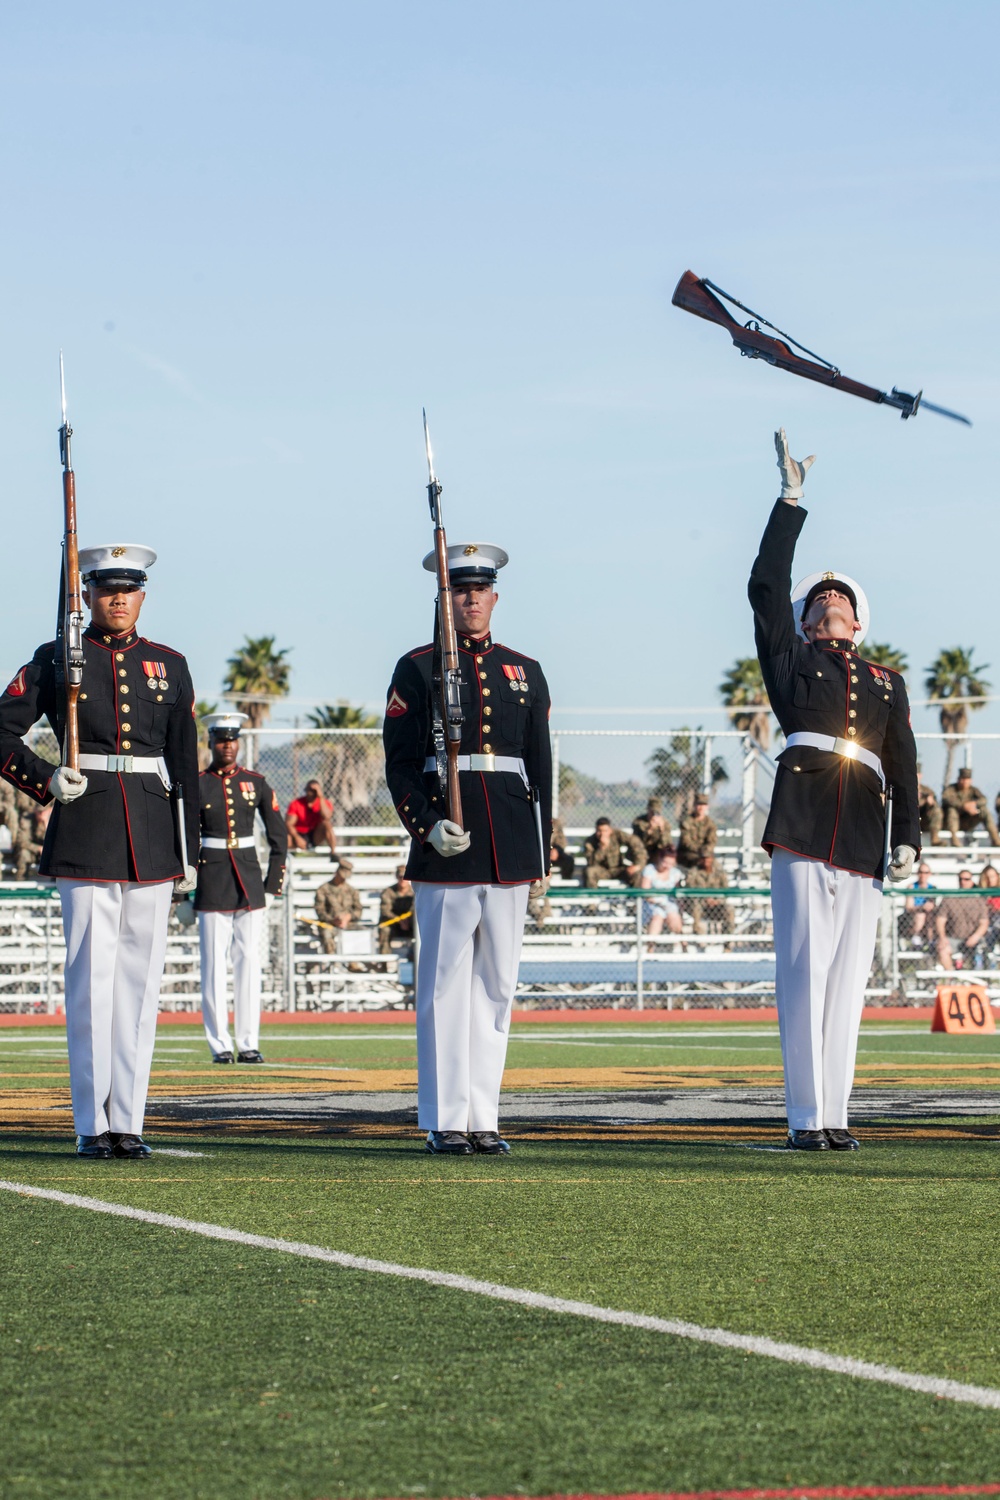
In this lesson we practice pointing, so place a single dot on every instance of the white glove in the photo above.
(187, 882)
(901, 863)
(793, 471)
(269, 899)
(448, 839)
(538, 888)
(66, 784)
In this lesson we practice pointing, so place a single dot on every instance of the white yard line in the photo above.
(176, 1151)
(792, 1354)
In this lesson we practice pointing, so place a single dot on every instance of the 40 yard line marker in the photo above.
(791, 1354)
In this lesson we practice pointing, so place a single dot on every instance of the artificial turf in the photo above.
(257, 1374)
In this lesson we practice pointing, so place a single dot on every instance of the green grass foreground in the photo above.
(139, 1361)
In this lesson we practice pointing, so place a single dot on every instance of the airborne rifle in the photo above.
(447, 701)
(69, 626)
(697, 295)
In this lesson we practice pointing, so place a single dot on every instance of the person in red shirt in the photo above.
(309, 819)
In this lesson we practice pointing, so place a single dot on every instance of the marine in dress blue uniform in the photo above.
(112, 843)
(470, 889)
(232, 893)
(848, 740)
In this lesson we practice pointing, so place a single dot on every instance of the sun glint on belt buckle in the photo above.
(847, 748)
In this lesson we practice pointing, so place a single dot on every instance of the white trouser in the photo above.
(116, 942)
(470, 947)
(232, 935)
(824, 938)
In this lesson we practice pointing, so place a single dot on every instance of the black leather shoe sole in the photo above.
(130, 1148)
(222, 1057)
(459, 1146)
(249, 1057)
(807, 1140)
(842, 1140)
(489, 1144)
(94, 1147)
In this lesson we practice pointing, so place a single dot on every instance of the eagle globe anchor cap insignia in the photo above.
(471, 562)
(813, 582)
(124, 564)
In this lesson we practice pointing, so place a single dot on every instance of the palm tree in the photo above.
(743, 687)
(952, 679)
(676, 769)
(259, 670)
(350, 767)
(884, 655)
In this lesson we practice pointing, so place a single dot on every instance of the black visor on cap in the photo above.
(224, 734)
(116, 578)
(831, 583)
(485, 576)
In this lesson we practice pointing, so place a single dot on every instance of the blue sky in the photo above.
(265, 237)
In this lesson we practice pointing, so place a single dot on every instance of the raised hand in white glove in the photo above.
(793, 470)
(187, 882)
(448, 839)
(901, 863)
(66, 784)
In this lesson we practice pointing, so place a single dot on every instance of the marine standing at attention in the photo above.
(470, 887)
(848, 739)
(232, 893)
(112, 845)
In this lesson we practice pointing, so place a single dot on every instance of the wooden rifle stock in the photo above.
(693, 296)
(69, 629)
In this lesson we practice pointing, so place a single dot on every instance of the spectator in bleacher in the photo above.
(652, 828)
(662, 873)
(612, 854)
(961, 924)
(309, 820)
(965, 808)
(931, 816)
(32, 822)
(709, 875)
(560, 856)
(698, 835)
(916, 919)
(338, 905)
(395, 914)
(8, 810)
(989, 880)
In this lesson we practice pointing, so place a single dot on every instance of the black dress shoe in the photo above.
(808, 1140)
(842, 1140)
(222, 1057)
(249, 1057)
(130, 1147)
(449, 1143)
(488, 1143)
(94, 1147)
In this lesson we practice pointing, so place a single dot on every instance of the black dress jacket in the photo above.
(506, 703)
(230, 879)
(136, 699)
(825, 805)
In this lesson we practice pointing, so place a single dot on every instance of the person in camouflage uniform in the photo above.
(708, 874)
(8, 814)
(396, 902)
(652, 828)
(30, 836)
(931, 816)
(562, 860)
(698, 835)
(612, 854)
(338, 905)
(965, 808)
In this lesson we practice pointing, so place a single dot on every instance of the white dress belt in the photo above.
(128, 765)
(485, 763)
(247, 842)
(847, 748)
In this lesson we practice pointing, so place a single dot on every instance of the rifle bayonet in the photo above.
(69, 627)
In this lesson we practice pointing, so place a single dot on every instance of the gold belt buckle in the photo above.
(232, 843)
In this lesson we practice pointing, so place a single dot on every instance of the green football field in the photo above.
(145, 1356)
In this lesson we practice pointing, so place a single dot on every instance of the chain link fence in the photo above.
(582, 948)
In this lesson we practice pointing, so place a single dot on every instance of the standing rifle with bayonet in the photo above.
(121, 708)
(469, 766)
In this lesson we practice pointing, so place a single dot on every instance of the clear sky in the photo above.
(266, 235)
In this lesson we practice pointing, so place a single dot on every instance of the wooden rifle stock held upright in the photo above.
(69, 629)
(448, 715)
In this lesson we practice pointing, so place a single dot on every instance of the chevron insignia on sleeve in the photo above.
(396, 705)
(16, 688)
